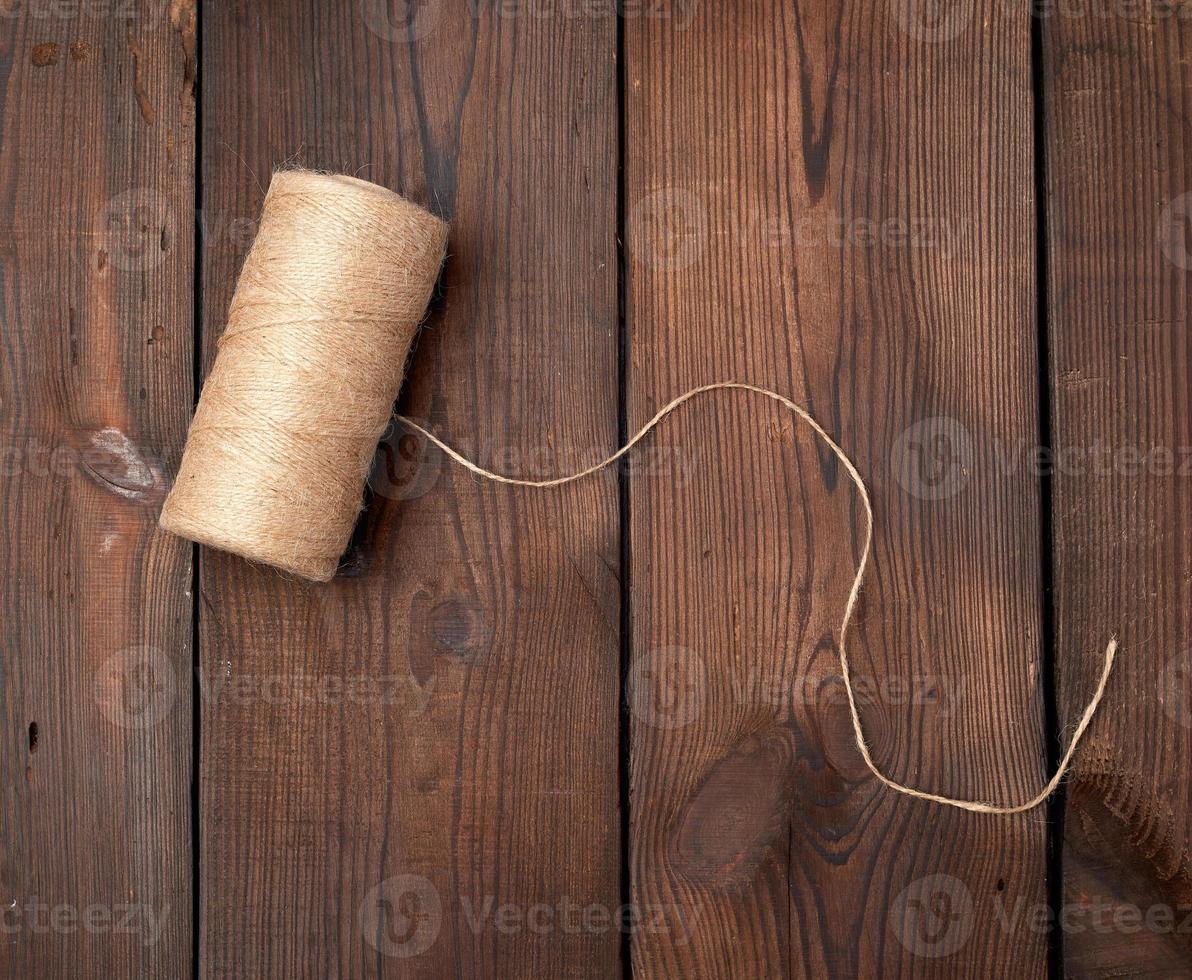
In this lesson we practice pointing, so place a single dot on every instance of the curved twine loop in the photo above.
(972, 806)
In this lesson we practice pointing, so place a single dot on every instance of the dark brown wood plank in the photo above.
(412, 829)
(834, 200)
(96, 279)
(1118, 102)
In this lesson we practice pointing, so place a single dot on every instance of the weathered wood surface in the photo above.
(384, 833)
(836, 201)
(96, 279)
(1118, 98)
(414, 771)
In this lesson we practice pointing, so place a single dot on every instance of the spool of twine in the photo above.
(306, 373)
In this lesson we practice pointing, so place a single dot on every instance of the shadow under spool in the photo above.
(307, 370)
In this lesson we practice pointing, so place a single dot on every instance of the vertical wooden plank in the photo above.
(96, 278)
(1118, 98)
(412, 771)
(835, 200)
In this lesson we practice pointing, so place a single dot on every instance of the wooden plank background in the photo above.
(1119, 98)
(809, 211)
(513, 712)
(381, 834)
(96, 288)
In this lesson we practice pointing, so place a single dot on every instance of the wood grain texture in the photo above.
(1118, 103)
(96, 276)
(446, 819)
(834, 200)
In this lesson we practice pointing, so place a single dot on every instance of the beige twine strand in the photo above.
(973, 806)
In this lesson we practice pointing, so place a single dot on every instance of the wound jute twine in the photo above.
(306, 373)
(304, 382)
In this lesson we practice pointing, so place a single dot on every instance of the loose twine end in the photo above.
(973, 806)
